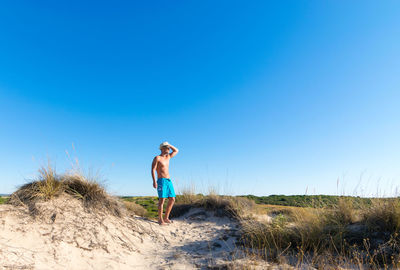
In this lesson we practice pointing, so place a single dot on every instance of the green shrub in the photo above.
(4, 200)
(317, 201)
(150, 204)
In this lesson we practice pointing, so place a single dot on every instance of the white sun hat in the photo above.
(164, 144)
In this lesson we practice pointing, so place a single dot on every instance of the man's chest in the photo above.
(163, 162)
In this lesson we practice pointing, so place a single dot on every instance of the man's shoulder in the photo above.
(161, 158)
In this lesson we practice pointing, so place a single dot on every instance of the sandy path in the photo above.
(198, 239)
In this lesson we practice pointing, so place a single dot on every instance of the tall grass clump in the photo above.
(188, 196)
(283, 235)
(50, 185)
(47, 186)
(91, 192)
(383, 215)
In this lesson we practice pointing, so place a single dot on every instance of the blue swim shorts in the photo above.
(165, 188)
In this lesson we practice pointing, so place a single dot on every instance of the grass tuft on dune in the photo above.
(50, 185)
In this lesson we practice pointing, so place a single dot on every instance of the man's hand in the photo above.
(155, 184)
(174, 151)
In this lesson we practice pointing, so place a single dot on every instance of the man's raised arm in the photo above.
(174, 151)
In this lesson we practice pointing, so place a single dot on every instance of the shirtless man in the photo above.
(163, 184)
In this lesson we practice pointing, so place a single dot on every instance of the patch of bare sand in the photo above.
(64, 235)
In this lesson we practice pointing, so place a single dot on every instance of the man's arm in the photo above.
(153, 171)
(174, 151)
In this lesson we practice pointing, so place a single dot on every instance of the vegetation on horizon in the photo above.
(4, 199)
(316, 201)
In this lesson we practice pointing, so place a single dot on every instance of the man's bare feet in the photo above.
(161, 222)
(167, 220)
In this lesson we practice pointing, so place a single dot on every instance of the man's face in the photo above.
(165, 149)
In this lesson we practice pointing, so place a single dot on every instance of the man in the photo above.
(163, 185)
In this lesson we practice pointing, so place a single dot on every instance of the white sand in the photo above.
(77, 239)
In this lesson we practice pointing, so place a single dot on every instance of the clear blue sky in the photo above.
(261, 97)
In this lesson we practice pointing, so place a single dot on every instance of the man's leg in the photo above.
(171, 201)
(160, 210)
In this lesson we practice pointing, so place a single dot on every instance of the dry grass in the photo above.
(235, 207)
(47, 186)
(136, 209)
(188, 196)
(91, 193)
(50, 185)
(275, 210)
(383, 215)
(346, 235)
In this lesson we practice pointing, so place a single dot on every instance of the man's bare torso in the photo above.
(162, 166)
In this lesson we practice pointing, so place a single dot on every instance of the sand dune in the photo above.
(64, 235)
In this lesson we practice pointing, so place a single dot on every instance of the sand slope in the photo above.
(65, 236)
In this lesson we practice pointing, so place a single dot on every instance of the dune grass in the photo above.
(343, 235)
(49, 185)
